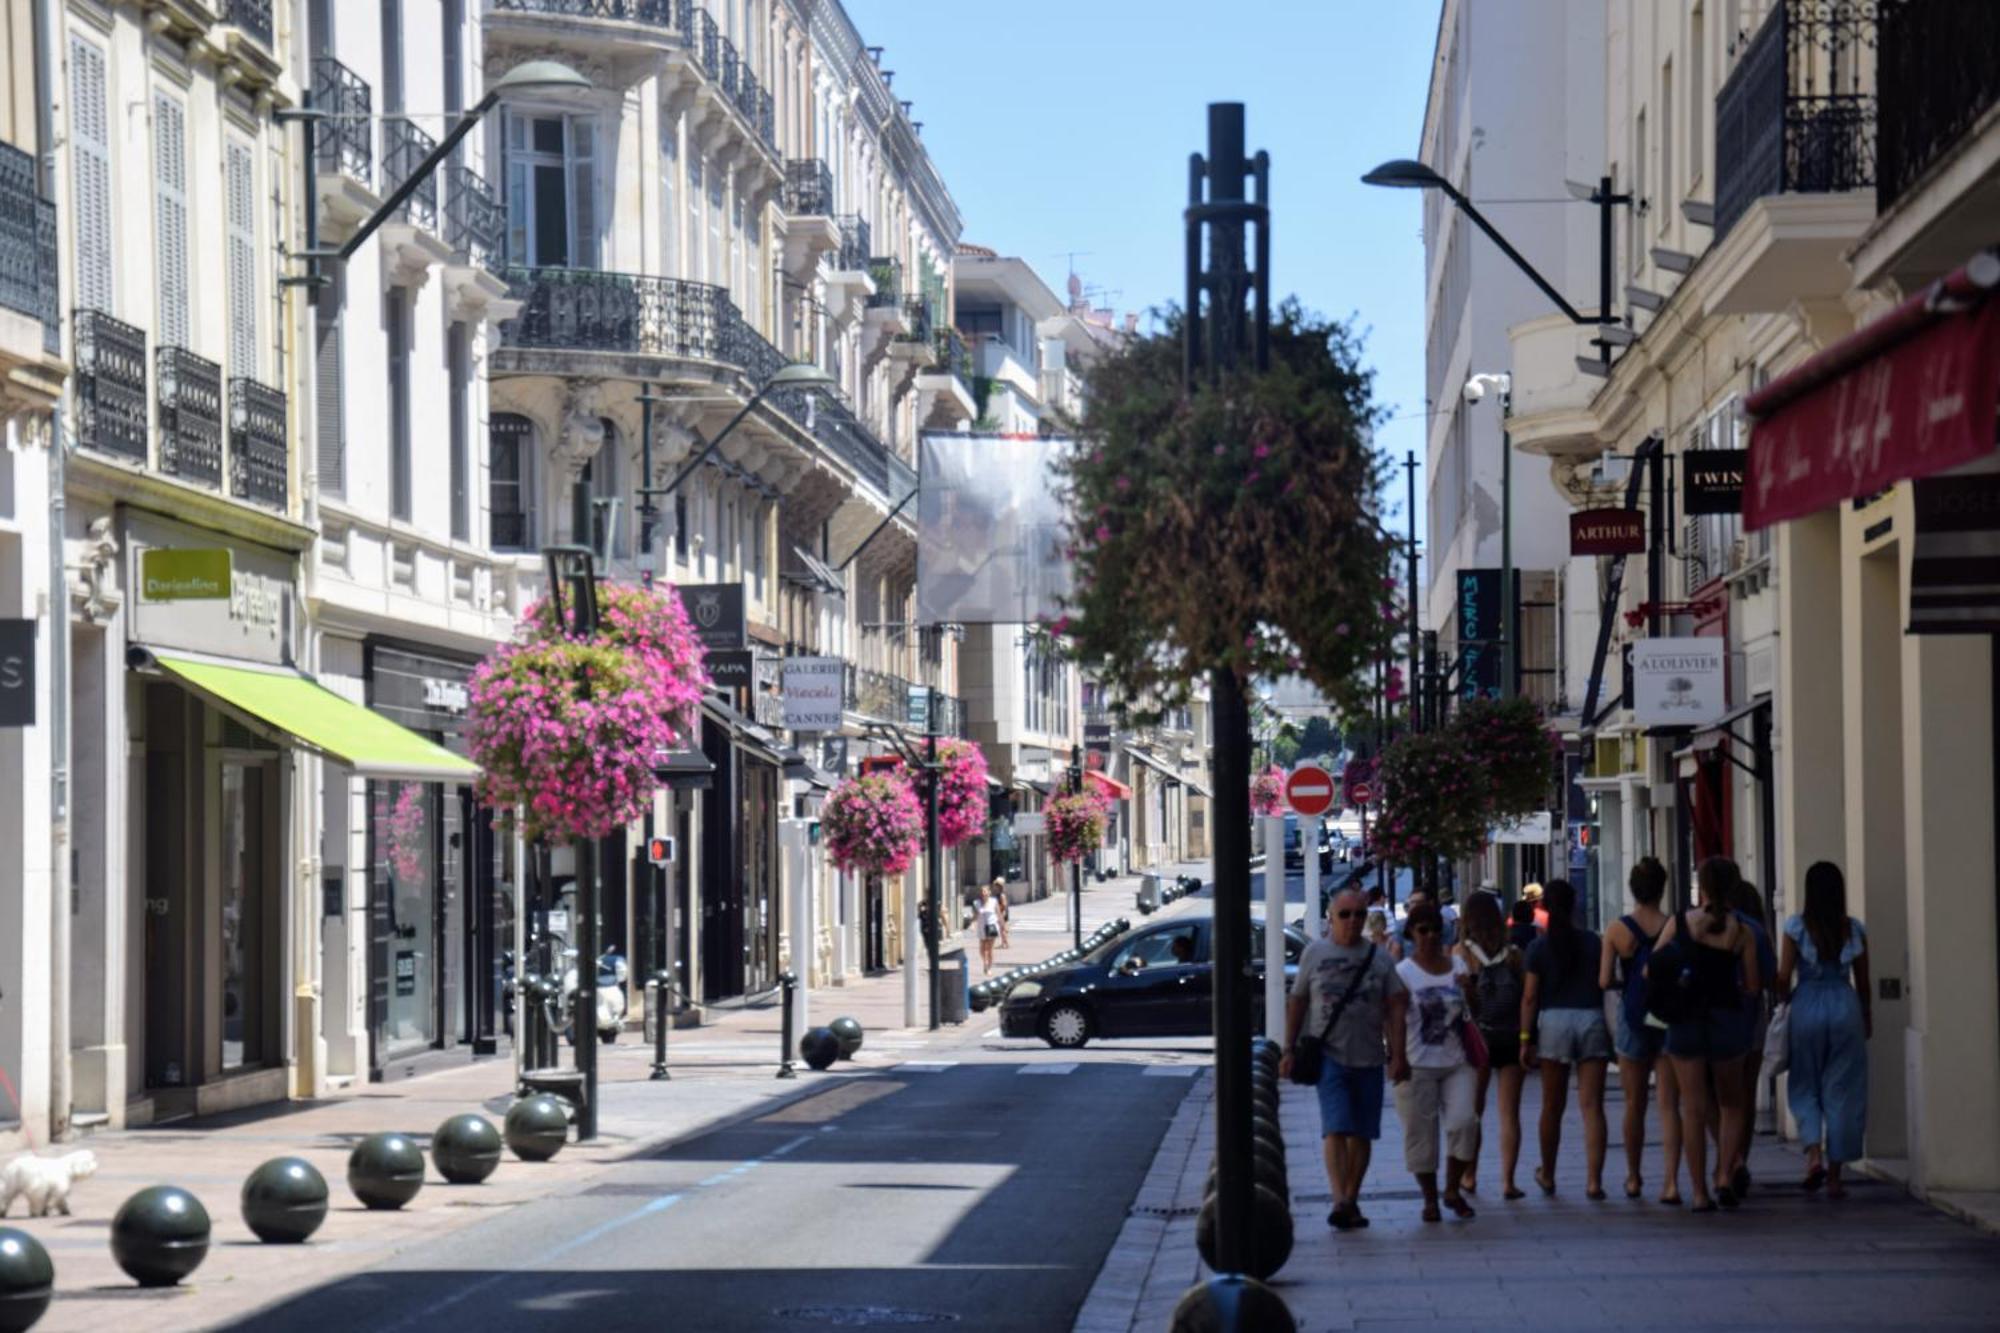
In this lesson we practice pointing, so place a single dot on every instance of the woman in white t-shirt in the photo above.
(1441, 1087)
(987, 923)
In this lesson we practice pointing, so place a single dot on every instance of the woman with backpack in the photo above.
(1696, 980)
(1628, 943)
(1562, 1023)
(1831, 1022)
(1497, 968)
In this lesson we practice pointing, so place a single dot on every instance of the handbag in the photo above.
(1778, 1041)
(1476, 1053)
(1309, 1056)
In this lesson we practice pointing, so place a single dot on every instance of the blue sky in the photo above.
(1065, 125)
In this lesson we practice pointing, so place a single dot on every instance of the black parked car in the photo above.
(1152, 982)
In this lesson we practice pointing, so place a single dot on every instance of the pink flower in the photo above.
(1103, 533)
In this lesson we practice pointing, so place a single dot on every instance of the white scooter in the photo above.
(612, 974)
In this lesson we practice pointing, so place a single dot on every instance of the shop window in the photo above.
(509, 444)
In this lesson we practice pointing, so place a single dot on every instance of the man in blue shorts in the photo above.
(1348, 998)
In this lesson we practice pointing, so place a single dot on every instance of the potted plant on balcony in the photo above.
(873, 823)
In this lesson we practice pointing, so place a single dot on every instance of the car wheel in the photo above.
(1066, 1026)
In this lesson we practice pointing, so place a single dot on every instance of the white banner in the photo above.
(1533, 831)
(991, 531)
(1679, 682)
(814, 688)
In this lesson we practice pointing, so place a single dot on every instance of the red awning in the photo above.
(1907, 396)
(1111, 786)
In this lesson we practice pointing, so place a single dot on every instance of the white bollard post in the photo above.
(1315, 919)
(913, 949)
(1274, 926)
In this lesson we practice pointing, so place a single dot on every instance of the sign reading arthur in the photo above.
(1679, 682)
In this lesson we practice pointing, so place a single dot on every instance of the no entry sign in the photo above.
(1309, 790)
(1360, 793)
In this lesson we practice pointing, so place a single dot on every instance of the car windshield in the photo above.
(1294, 946)
(1157, 949)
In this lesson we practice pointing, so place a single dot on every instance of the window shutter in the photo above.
(329, 382)
(583, 252)
(396, 319)
(170, 218)
(240, 184)
(458, 352)
(90, 172)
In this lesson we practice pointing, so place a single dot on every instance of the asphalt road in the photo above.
(981, 1194)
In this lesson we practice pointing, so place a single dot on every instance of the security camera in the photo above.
(1477, 385)
(1474, 390)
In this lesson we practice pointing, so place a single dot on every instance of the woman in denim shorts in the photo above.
(1628, 943)
(1562, 1024)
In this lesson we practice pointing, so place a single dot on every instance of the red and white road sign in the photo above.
(1360, 793)
(1309, 790)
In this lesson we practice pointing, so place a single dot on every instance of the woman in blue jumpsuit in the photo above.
(1827, 951)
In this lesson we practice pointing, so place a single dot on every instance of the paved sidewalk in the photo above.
(1879, 1260)
(722, 1072)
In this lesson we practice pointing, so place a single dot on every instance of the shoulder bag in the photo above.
(1310, 1054)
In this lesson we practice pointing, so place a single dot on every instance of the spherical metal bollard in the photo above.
(160, 1235)
(1266, 1132)
(1266, 1171)
(1270, 1232)
(27, 1280)
(537, 1128)
(385, 1170)
(466, 1149)
(284, 1200)
(819, 1048)
(1231, 1303)
(848, 1032)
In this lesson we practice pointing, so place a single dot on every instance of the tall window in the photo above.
(670, 190)
(170, 219)
(696, 230)
(718, 257)
(551, 191)
(1642, 179)
(392, 56)
(594, 500)
(396, 325)
(509, 439)
(1670, 189)
(241, 186)
(90, 175)
(458, 358)
(1697, 94)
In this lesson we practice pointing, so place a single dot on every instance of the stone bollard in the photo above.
(160, 1235)
(284, 1200)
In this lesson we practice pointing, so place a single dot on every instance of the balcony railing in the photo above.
(257, 443)
(669, 14)
(508, 530)
(190, 406)
(343, 140)
(474, 221)
(253, 16)
(887, 275)
(1937, 73)
(404, 147)
(1792, 117)
(27, 246)
(953, 356)
(854, 242)
(917, 314)
(110, 385)
(808, 188)
(582, 309)
(886, 697)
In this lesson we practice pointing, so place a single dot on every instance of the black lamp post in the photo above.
(573, 569)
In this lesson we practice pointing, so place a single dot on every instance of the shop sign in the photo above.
(1955, 563)
(420, 691)
(1097, 736)
(17, 673)
(1712, 481)
(833, 755)
(918, 710)
(815, 688)
(1612, 531)
(1529, 831)
(406, 973)
(175, 574)
(733, 670)
(1030, 824)
(449, 696)
(718, 614)
(1679, 682)
(1479, 627)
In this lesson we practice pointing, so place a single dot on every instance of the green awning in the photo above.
(321, 721)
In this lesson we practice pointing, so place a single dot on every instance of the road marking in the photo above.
(994, 1033)
(1049, 1069)
(1170, 1071)
(926, 1066)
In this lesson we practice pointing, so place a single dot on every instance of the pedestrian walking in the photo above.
(1378, 931)
(1000, 898)
(1497, 969)
(987, 923)
(1521, 928)
(1438, 1084)
(1748, 904)
(1831, 1021)
(1710, 957)
(1348, 998)
(1628, 943)
(1562, 1024)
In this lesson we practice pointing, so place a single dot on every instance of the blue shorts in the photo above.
(1350, 1099)
(1721, 1034)
(1644, 1042)
(1571, 1036)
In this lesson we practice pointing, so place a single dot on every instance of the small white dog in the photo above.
(44, 1181)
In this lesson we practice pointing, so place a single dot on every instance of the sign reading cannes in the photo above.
(173, 574)
(1310, 790)
(813, 688)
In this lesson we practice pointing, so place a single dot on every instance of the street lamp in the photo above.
(1475, 389)
(795, 375)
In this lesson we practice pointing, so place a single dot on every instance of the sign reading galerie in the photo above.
(1678, 682)
(813, 690)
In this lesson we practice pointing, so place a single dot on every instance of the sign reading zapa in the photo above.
(180, 574)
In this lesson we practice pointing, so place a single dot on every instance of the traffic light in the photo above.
(660, 851)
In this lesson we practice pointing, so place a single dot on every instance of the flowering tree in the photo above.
(1510, 744)
(1267, 791)
(1075, 823)
(962, 803)
(566, 729)
(1434, 798)
(873, 823)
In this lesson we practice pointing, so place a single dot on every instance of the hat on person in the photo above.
(1533, 891)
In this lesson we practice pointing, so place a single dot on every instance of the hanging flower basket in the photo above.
(1267, 792)
(962, 800)
(567, 730)
(1507, 739)
(874, 824)
(1434, 799)
(1075, 824)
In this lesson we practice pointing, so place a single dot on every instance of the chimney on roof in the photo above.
(1131, 321)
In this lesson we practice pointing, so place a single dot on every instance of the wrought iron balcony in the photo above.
(27, 246)
(257, 470)
(1793, 118)
(917, 318)
(110, 385)
(953, 356)
(343, 142)
(474, 222)
(253, 16)
(190, 406)
(404, 147)
(1937, 74)
(585, 310)
(887, 275)
(669, 14)
(808, 188)
(854, 243)
(706, 40)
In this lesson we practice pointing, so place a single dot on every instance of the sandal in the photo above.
(1458, 1205)
(1595, 1195)
(1705, 1206)
(1814, 1179)
(1511, 1193)
(1727, 1196)
(1546, 1181)
(1354, 1211)
(1341, 1218)
(1669, 1201)
(1634, 1187)
(1739, 1180)
(1431, 1213)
